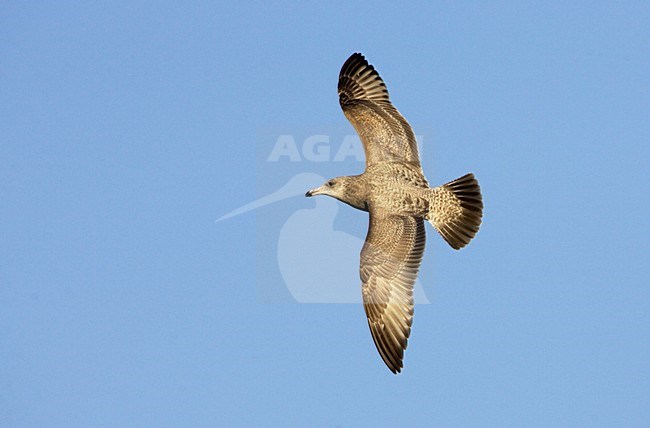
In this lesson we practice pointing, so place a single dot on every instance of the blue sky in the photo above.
(128, 128)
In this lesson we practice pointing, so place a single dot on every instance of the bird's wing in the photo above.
(390, 260)
(385, 134)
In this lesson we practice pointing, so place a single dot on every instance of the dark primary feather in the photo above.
(385, 134)
(390, 260)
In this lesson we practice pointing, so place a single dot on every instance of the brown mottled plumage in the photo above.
(395, 192)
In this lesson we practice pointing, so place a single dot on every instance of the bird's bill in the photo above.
(314, 192)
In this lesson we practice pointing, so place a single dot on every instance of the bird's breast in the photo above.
(399, 194)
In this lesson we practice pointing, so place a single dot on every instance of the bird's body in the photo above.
(393, 186)
(395, 192)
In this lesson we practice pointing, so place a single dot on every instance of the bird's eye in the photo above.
(330, 183)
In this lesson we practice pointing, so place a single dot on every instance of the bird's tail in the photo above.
(456, 209)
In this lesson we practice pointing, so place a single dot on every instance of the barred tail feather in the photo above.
(456, 210)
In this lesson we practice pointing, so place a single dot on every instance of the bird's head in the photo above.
(334, 187)
(345, 189)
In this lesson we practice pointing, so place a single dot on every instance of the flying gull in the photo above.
(394, 191)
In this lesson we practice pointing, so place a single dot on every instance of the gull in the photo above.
(397, 196)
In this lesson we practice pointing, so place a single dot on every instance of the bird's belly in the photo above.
(403, 201)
